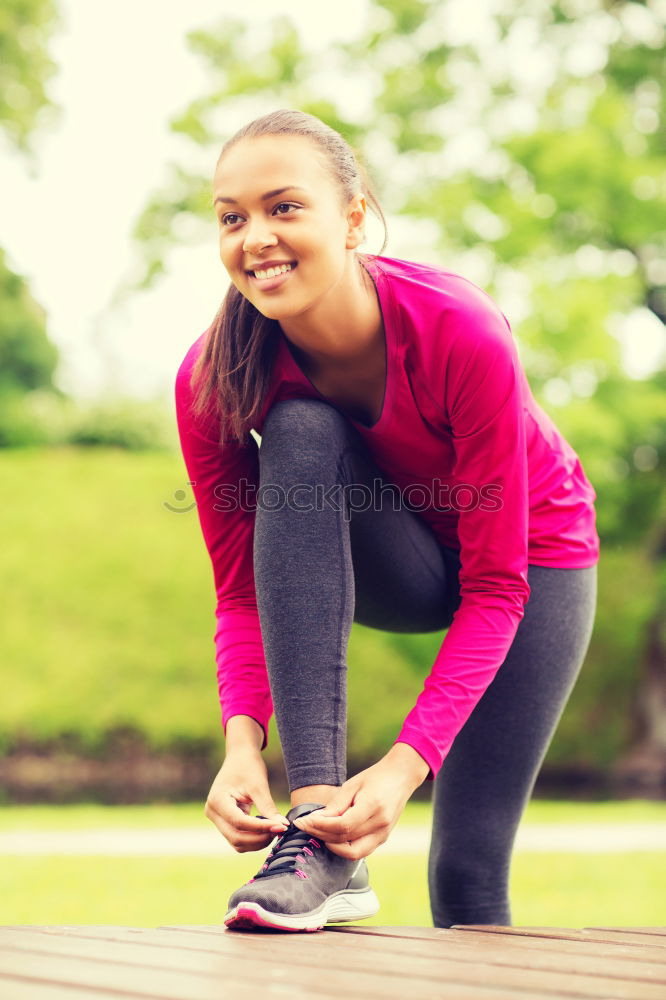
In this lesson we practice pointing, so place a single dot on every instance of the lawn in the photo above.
(86, 816)
(108, 621)
(547, 889)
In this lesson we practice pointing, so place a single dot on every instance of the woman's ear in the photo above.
(356, 212)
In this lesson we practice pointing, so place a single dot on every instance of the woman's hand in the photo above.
(363, 811)
(241, 781)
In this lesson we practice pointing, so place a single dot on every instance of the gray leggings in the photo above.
(317, 570)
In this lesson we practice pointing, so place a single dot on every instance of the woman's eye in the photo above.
(229, 219)
(284, 207)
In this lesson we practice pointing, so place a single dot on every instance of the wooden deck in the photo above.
(345, 963)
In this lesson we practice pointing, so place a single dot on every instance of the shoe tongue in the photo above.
(302, 810)
(287, 850)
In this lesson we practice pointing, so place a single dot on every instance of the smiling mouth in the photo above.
(271, 272)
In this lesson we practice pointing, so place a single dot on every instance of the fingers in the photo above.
(354, 835)
(358, 821)
(358, 849)
(341, 800)
(327, 820)
(268, 810)
(228, 811)
(241, 840)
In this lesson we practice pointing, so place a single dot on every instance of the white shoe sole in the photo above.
(348, 904)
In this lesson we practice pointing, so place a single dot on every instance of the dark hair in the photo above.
(232, 372)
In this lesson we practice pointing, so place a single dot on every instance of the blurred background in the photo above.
(521, 145)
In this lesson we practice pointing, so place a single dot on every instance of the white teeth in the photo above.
(272, 272)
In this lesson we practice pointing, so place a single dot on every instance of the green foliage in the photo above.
(382, 685)
(567, 209)
(25, 66)
(189, 199)
(27, 358)
(42, 417)
(405, 15)
(620, 434)
(598, 721)
(567, 217)
(123, 423)
(19, 427)
(551, 186)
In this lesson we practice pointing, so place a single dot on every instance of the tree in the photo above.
(26, 27)
(27, 357)
(529, 146)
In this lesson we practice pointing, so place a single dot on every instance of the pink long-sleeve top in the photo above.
(463, 438)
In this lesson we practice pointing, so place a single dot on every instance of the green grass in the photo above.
(547, 889)
(550, 889)
(92, 816)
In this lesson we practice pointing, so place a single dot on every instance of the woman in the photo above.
(406, 479)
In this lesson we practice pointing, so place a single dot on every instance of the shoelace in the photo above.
(292, 847)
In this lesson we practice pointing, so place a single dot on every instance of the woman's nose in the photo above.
(258, 235)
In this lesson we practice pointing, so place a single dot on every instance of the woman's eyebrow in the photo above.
(264, 197)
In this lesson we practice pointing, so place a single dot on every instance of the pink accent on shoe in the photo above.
(301, 874)
(247, 917)
(306, 850)
(313, 841)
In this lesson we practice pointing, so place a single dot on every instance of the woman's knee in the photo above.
(301, 435)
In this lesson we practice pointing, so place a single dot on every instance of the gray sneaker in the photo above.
(302, 886)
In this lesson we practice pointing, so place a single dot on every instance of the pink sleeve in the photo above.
(224, 482)
(483, 404)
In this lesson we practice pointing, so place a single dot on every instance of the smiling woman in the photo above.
(271, 246)
(406, 480)
(264, 232)
(265, 269)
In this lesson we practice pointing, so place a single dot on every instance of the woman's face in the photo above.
(285, 236)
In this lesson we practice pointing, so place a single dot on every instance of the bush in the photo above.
(124, 423)
(43, 417)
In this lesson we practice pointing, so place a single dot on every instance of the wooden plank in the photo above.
(567, 934)
(265, 977)
(93, 974)
(307, 960)
(583, 958)
(569, 943)
(360, 982)
(539, 953)
(658, 932)
(511, 950)
(356, 952)
(565, 942)
(22, 989)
